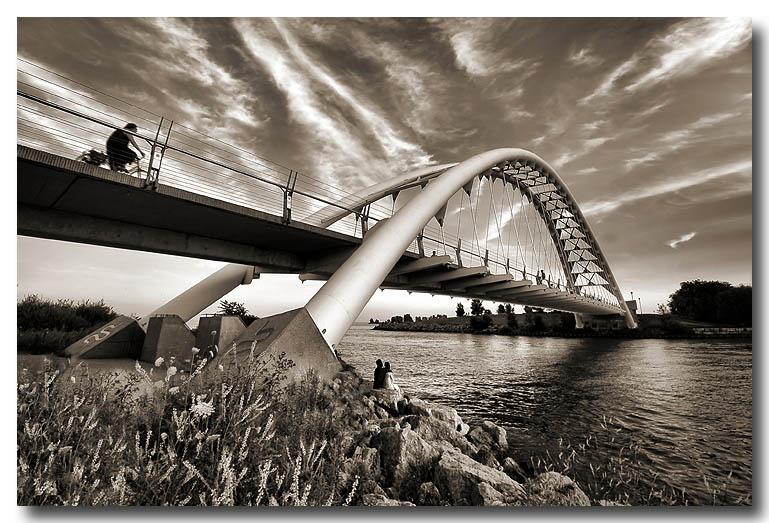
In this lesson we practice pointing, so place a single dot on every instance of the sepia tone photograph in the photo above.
(384, 262)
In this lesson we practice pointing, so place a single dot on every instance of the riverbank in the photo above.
(498, 325)
(87, 436)
(82, 440)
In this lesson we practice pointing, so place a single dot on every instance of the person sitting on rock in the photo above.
(379, 375)
(389, 381)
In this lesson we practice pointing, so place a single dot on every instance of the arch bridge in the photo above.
(500, 226)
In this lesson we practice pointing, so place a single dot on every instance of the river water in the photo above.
(683, 408)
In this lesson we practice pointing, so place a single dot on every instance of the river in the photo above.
(683, 408)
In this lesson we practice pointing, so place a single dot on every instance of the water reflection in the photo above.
(688, 402)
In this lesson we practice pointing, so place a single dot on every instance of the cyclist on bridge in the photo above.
(117, 148)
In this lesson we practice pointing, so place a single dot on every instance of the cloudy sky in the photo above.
(648, 121)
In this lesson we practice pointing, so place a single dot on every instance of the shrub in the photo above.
(35, 313)
(479, 323)
(45, 326)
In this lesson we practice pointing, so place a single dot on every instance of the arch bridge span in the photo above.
(579, 257)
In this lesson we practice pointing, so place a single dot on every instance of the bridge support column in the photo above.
(199, 296)
(579, 321)
(124, 336)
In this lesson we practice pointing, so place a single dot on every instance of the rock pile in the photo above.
(411, 451)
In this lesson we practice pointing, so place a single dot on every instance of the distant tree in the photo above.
(500, 309)
(397, 319)
(663, 309)
(568, 322)
(508, 308)
(512, 321)
(698, 300)
(234, 308)
(538, 323)
(735, 306)
(527, 309)
(407, 318)
(371, 320)
(476, 307)
(480, 322)
(460, 310)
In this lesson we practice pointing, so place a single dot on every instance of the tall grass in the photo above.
(232, 433)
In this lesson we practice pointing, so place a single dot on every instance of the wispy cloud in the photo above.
(689, 47)
(692, 45)
(338, 147)
(671, 141)
(584, 57)
(598, 207)
(471, 39)
(685, 238)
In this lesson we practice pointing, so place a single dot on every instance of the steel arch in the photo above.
(341, 299)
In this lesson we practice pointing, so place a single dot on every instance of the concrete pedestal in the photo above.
(221, 331)
(295, 334)
(167, 336)
(119, 338)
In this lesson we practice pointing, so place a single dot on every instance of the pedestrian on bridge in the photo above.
(117, 148)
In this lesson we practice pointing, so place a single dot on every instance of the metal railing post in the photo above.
(288, 195)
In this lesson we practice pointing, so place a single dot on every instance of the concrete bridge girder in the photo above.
(447, 275)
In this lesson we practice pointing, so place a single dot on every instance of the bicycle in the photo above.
(98, 158)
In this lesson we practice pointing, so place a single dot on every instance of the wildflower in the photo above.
(173, 390)
(72, 379)
(159, 362)
(220, 367)
(195, 350)
(170, 372)
(201, 408)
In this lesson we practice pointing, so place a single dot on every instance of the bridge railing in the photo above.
(66, 117)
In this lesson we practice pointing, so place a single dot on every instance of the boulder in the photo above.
(489, 435)
(457, 475)
(387, 398)
(485, 495)
(463, 429)
(552, 488)
(402, 454)
(378, 500)
(498, 434)
(428, 494)
(513, 469)
(368, 458)
(444, 413)
(484, 456)
(433, 429)
(418, 407)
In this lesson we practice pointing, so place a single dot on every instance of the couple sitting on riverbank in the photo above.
(383, 377)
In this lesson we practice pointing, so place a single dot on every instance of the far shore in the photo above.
(648, 328)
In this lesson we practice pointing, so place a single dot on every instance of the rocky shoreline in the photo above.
(415, 452)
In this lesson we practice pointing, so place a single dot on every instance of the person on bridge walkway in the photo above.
(379, 375)
(389, 380)
(117, 148)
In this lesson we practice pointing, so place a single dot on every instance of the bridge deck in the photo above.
(59, 198)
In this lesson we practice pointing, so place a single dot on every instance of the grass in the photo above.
(210, 436)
